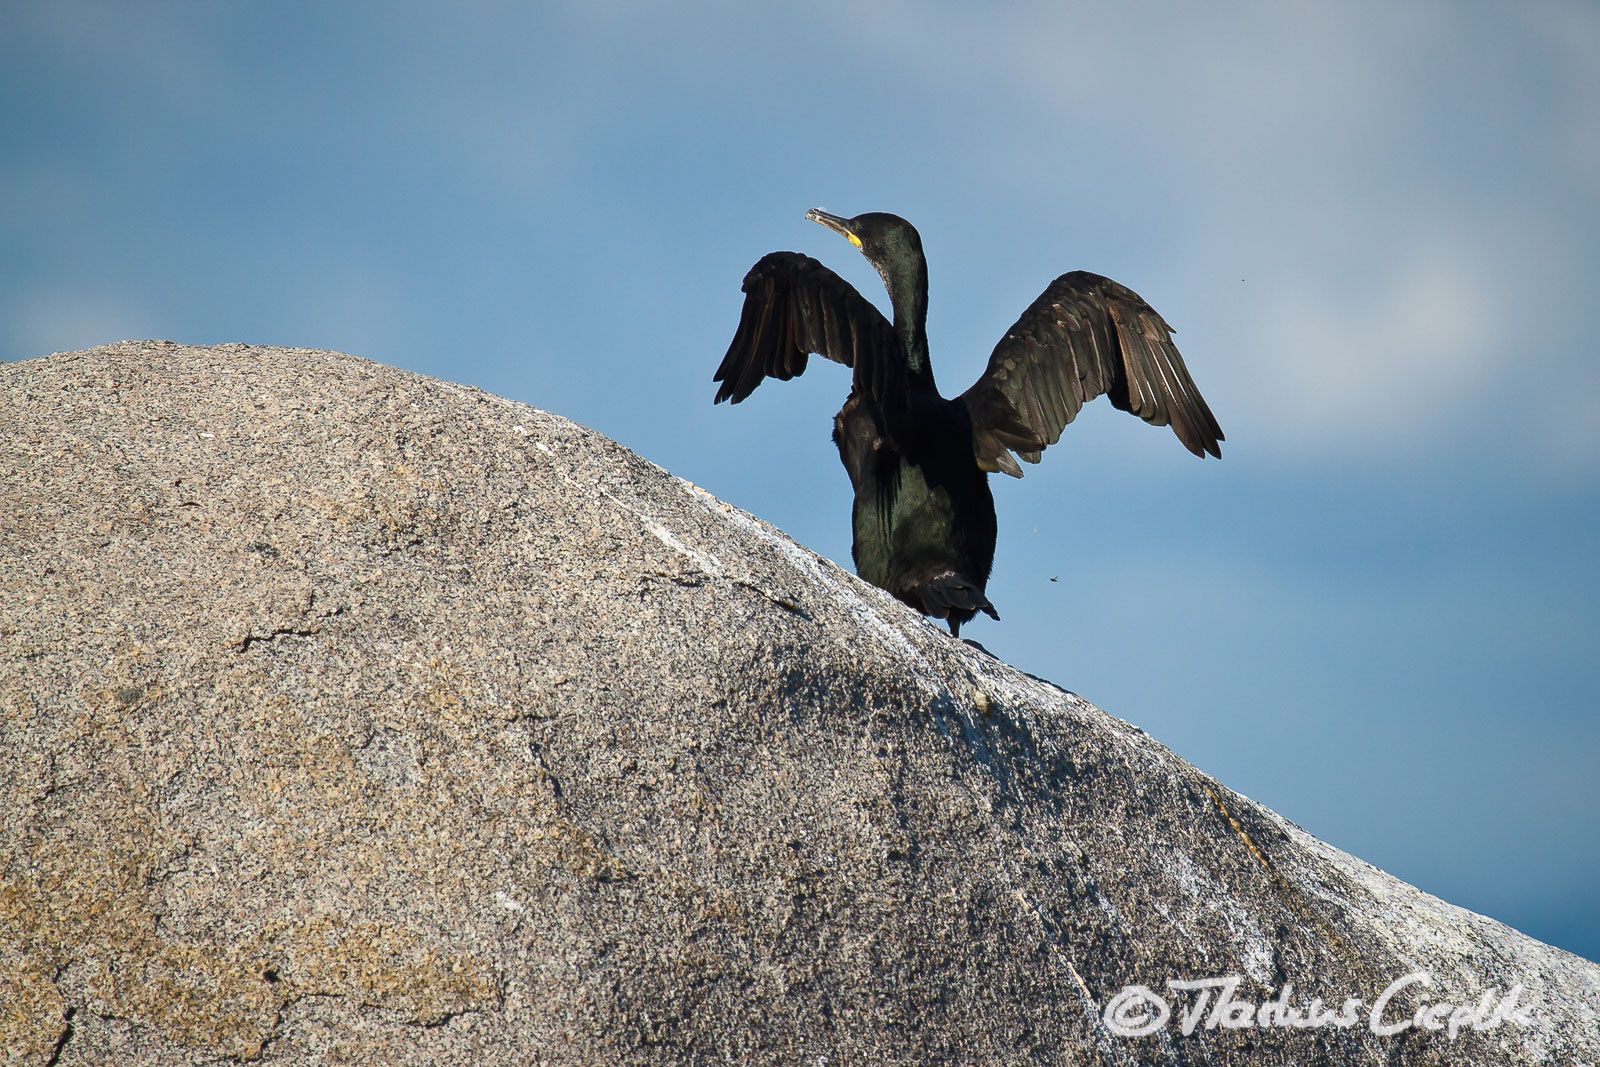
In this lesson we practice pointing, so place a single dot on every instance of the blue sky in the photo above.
(1374, 227)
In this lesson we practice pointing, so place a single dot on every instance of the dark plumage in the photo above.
(923, 519)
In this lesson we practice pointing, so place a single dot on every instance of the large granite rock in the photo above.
(350, 716)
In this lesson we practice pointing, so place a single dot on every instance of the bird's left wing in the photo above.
(794, 306)
(1085, 335)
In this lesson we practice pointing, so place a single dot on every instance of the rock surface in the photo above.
(351, 716)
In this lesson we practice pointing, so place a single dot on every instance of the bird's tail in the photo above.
(954, 597)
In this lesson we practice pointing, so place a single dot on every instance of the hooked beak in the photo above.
(834, 223)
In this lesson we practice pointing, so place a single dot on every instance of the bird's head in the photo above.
(880, 235)
(889, 242)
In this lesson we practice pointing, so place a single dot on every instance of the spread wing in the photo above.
(1085, 335)
(794, 306)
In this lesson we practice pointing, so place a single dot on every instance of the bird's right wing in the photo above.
(794, 306)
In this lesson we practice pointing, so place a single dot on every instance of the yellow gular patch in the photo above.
(854, 239)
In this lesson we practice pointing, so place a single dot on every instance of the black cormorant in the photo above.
(924, 525)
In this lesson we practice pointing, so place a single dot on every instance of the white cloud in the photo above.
(1360, 367)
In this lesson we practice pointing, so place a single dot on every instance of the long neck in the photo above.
(907, 281)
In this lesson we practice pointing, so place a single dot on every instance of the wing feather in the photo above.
(1084, 336)
(794, 306)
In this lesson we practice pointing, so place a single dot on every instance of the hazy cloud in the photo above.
(61, 320)
(1387, 147)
